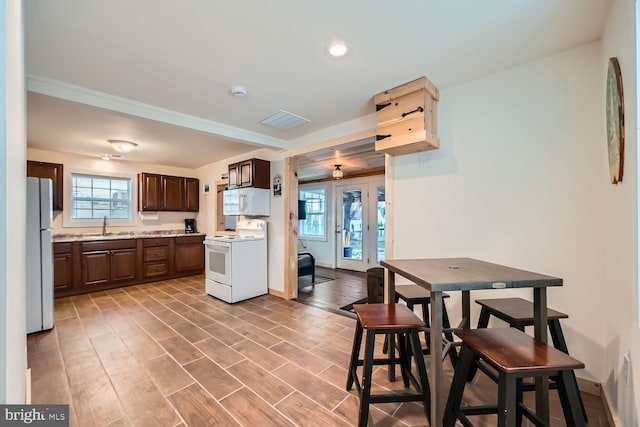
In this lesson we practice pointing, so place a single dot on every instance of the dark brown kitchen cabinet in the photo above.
(167, 193)
(53, 171)
(62, 267)
(192, 193)
(173, 193)
(189, 254)
(149, 192)
(81, 267)
(107, 264)
(250, 173)
(155, 257)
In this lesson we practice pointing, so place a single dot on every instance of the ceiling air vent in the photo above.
(283, 120)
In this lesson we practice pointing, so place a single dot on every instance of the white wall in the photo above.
(211, 173)
(620, 257)
(519, 180)
(13, 358)
(82, 164)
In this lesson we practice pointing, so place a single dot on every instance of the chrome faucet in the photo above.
(105, 222)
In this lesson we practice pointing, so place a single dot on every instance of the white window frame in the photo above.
(68, 221)
(311, 188)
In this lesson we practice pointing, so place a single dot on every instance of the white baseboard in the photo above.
(277, 293)
(612, 417)
(322, 264)
(596, 389)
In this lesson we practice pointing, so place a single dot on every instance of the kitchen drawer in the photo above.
(62, 248)
(153, 269)
(160, 241)
(189, 240)
(157, 253)
(102, 245)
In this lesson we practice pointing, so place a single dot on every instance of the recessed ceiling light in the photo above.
(238, 91)
(337, 48)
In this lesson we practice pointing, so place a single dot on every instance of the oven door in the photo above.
(218, 261)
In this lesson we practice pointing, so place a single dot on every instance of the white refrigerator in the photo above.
(39, 255)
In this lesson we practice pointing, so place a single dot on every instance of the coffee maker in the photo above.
(189, 225)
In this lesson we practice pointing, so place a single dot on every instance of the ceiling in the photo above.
(159, 72)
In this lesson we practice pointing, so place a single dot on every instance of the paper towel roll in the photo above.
(149, 216)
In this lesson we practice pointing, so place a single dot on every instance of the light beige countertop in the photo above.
(81, 237)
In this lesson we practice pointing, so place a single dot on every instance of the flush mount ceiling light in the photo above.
(337, 49)
(337, 172)
(238, 91)
(122, 146)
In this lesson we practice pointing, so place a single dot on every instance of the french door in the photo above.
(359, 225)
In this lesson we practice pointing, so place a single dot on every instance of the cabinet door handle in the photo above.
(417, 110)
(381, 106)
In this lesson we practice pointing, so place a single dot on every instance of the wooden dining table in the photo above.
(466, 274)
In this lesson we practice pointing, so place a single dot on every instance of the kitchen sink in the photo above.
(109, 235)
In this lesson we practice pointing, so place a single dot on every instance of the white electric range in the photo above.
(236, 265)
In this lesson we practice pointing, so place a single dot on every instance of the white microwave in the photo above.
(247, 201)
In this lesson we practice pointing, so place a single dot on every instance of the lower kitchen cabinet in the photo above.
(62, 268)
(155, 257)
(123, 265)
(189, 254)
(88, 266)
(107, 264)
(95, 269)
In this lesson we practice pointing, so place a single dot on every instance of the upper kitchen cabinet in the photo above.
(250, 173)
(149, 190)
(49, 170)
(167, 193)
(192, 195)
(173, 193)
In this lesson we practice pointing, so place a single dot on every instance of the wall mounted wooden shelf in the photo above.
(407, 118)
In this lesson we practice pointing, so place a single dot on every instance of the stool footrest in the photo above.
(396, 397)
(395, 360)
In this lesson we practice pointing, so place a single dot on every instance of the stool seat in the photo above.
(387, 319)
(516, 310)
(512, 351)
(386, 316)
(417, 294)
(515, 355)
(518, 313)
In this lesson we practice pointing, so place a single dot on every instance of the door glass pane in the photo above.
(380, 207)
(352, 224)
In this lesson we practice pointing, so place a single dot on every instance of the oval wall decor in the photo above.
(615, 121)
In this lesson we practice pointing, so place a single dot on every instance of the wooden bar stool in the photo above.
(514, 355)
(414, 295)
(386, 319)
(518, 313)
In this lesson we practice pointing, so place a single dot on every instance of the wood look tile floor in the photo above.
(167, 354)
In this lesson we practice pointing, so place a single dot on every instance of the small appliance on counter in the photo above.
(190, 225)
